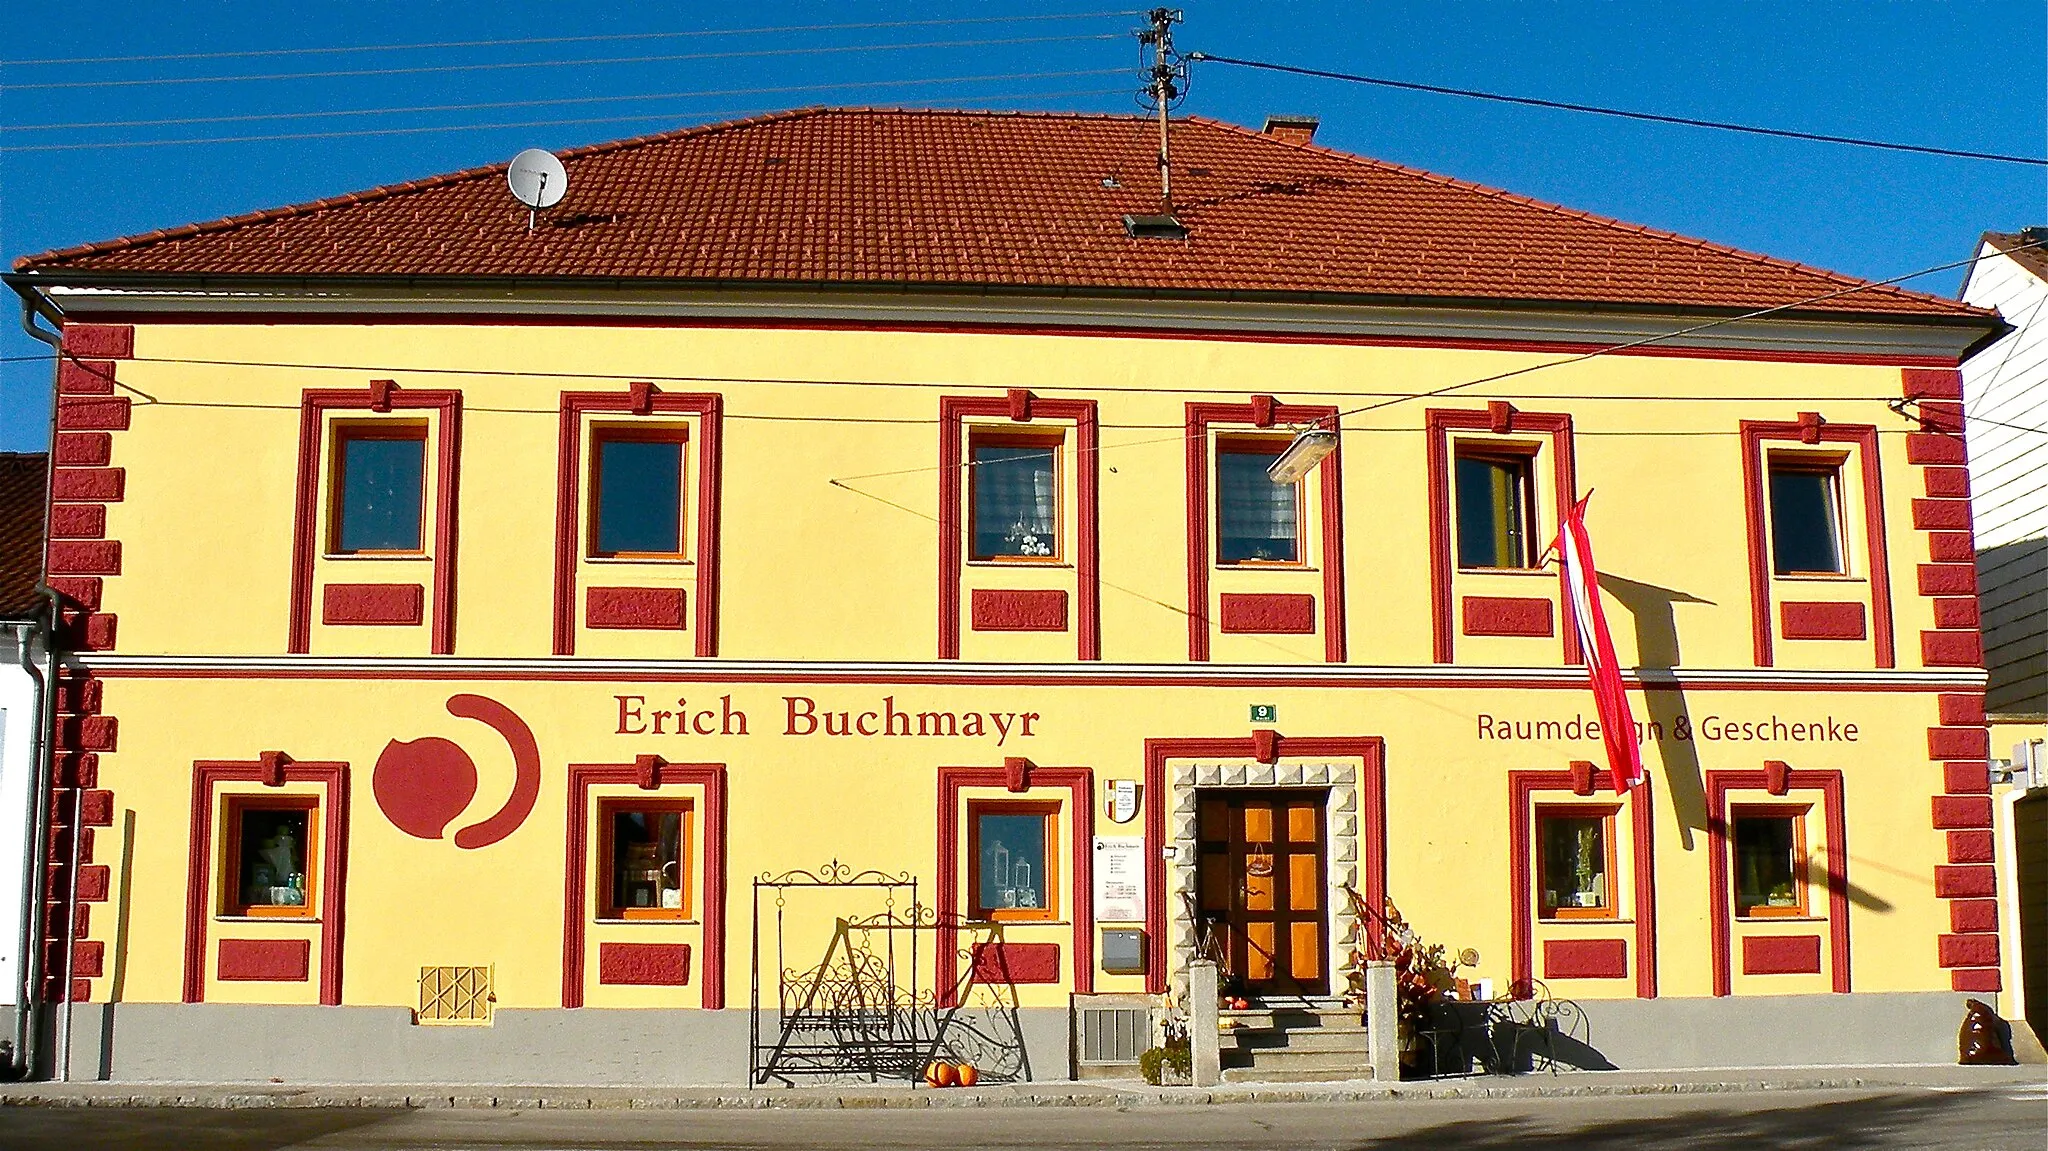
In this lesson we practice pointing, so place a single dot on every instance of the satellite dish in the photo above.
(537, 179)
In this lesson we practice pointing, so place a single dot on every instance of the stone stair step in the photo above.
(1282, 1059)
(1294, 1018)
(1278, 1075)
(1304, 1039)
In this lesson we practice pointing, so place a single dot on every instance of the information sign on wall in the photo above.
(1119, 879)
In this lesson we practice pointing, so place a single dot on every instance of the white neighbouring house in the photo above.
(2005, 404)
(24, 668)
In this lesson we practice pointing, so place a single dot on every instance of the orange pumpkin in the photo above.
(967, 1074)
(941, 1074)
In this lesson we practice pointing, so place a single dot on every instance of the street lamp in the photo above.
(1301, 457)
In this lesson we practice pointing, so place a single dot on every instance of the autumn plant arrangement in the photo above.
(1173, 1061)
(939, 1073)
(1424, 972)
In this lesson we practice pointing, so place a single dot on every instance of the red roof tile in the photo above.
(21, 533)
(861, 196)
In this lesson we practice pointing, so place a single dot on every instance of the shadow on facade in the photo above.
(1657, 650)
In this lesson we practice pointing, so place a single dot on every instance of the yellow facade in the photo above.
(829, 578)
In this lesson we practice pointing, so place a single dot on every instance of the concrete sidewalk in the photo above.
(1064, 1094)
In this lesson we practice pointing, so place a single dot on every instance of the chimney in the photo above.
(1292, 129)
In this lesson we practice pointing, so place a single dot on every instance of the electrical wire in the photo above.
(1597, 110)
(499, 65)
(706, 117)
(553, 102)
(533, 40)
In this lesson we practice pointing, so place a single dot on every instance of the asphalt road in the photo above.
(1999, 1117)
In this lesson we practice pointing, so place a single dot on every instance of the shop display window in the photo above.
(1770, 861)
(1012, 873)
(378, 496)
(636, 493)
(1806, 520)
(1496, 518)
(1013, 484)
(644, 849)
(1257, 520)
(1575, 871)
(270, 856)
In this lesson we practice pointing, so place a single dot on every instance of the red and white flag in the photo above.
(1596, 646)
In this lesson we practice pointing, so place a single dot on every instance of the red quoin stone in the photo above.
(103, 484)
(1941, 515)
(1957, 742)
(1962, 812)
(1947, 483)
(1947, 579)
(85, 379)
(1969, 950)
(1962, 710)
(1934, 448)
(1957, 613)
(92, 413)
(1951, 547)
(84, 449)
(1975, 979)
(1970, 846)
(1968, 915)
(1967, 777)
(100, 341)
(1951, 649)
(1965, 881)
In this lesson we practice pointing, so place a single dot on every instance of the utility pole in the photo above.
(1165, 76)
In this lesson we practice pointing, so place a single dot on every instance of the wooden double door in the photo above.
(1263, 887)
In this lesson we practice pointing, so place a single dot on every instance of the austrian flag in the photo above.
(1582, 583)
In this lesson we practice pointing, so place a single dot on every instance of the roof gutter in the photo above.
(32, 279)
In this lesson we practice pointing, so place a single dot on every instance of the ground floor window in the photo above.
(269, 856)
(1012, 854)
(1575, 862)
(644, 848)
(1770, 861)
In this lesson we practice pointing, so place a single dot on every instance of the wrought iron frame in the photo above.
(860, 1012)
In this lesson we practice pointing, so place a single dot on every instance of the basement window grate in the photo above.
(1114, 1034)
(456, 995)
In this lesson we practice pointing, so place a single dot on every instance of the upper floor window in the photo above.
(379, 497)
(1496, 514)
(1575, 873)
(1806, 522)
(1257, 520)
(636, 493)
(269, 857)
(1770, 861)
(1013, 497)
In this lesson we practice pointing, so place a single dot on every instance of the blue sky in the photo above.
(1969, 75)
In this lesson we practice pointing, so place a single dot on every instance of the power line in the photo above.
(1597, 110)
(555, 102)
(504, 64)
(532, 40)
(707, 117)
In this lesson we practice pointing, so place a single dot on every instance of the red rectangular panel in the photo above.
(1965, 881)
(1961, 812)
(1000, 963)
(1958, 742)
(1585, 959)
(644, 964)
(1968, 950)
(996, 610)
(1250, 614)
(1974, 979)
(106, 484)
(1781, 955)
(1508, 615)
(635, 608)
(265, 960)
(1821, 620)
(389, 604)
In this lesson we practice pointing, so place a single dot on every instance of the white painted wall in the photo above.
(18, 715)
(2005, 399)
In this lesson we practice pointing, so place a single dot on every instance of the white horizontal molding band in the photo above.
(890, 306)
(1079, 674)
